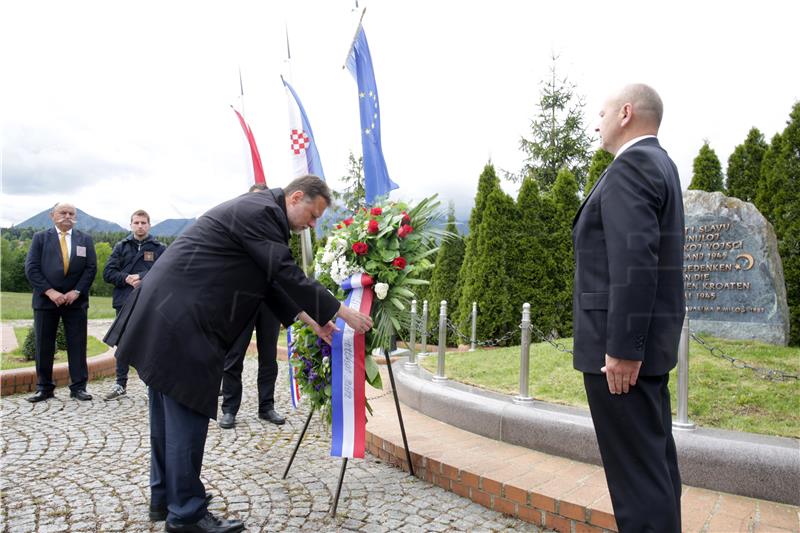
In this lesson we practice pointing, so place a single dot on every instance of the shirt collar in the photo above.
(631, 143)
(69, 231)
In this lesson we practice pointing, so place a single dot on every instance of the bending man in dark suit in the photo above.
(176, 328)
(60, 266)
(628, 307)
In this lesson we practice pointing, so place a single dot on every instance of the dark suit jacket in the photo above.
(628, 298)
(176, 328)
(44, 267)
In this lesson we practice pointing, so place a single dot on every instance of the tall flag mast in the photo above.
(359, 62)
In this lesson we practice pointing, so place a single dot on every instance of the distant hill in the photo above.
(86, 222)
(172, 227)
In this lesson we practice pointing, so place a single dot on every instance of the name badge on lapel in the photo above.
(149, 256)
(80, 251)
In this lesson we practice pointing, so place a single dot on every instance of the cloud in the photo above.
(59, 159)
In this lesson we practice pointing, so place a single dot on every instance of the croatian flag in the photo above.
(303, 154)
(294, 386)
(376, 176)
(348, 398)
(258, 168)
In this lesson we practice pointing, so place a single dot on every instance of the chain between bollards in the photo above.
(683, 422)
(412, 338)
(524, 355)
(442, 342)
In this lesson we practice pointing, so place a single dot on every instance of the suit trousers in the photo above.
(122, 368)
(267, 329)
(634, 432)
(177, 441)
(45, 326)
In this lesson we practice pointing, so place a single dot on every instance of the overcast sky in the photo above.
(117, 107)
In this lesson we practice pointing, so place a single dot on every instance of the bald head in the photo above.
(633, 111)
(64, 216)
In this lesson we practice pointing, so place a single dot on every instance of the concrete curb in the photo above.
(19, 380)
(740, 463)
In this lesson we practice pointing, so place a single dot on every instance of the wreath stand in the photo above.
(344, 459)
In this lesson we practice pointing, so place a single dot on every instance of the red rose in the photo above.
(360, 248)
(399, 263)
(347, 221)
(404, 230)
(406, 218)
(375, 211)
(372, 226)
(338, 226)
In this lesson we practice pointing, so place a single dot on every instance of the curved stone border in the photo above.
(18, 380)
(740, 463)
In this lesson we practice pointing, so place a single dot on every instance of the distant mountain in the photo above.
(86, 222)
(172, 227)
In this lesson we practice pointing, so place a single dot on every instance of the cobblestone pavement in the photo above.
(83, 466)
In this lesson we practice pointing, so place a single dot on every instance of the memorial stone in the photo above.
(732, 273)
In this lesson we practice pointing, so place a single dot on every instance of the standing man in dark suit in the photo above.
(129, 262)
(176, 328)
(628, 307)
(60, 266)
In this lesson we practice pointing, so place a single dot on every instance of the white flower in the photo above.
(381, 290)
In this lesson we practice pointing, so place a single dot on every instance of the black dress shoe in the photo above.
(158, 513)
(40, 396)
(81, 395)
(272, 416)
(227, 421)
(208, 524)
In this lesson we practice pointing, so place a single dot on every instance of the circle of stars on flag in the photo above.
(374, 97)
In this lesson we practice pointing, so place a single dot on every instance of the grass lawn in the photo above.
(15, 358)
(17, 305)
(720, 395)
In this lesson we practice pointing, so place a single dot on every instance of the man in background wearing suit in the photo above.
(628, 308)
(60, 267)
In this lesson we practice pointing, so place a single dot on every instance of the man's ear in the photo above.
(626, 114)
(296, 196)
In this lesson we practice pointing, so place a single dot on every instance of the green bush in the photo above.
(29, 346)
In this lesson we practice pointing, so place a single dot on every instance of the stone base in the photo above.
(771, 333)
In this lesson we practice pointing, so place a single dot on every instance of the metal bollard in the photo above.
(412, 337)
(524, 355)
(442, 342)
(473, 338)
(424, 332)
(683, 422)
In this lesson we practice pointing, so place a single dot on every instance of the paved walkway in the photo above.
(83, 466)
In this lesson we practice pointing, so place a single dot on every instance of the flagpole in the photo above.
(355, 36)
(306, 252)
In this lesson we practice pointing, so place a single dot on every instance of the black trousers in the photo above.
(45, 326)
(177, 441)
(267, 329)
(634, 432)
(122, 368)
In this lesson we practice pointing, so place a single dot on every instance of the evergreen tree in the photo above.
(444, 276)
(535, 263)
(600, 161)
(29, 345)
(489, 280)
(100, 287)
(564, 201)
(706, 171)
(487, 183)
(744, 167)
(770, 184)
(558, 135)
(12, 265)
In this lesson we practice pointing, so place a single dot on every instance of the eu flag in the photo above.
(376, 176)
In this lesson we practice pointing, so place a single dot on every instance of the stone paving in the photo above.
(83, 466)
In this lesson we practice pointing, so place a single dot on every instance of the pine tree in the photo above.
(600, 161)
(487, 183)
(558, 135)
(489, 280)
(770, 184)
(444, 276)
(535, 262)
(565, 203)
(744, 167)
(706, 170)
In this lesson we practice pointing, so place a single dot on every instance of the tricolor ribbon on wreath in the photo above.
(348, 397)
(294, 386)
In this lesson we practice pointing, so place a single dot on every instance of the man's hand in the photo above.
(70, 297)
(133, 280)
(360, 322)
(621, 374)
(55, 296)
(325, 332)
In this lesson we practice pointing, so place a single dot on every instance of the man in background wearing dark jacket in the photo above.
(127, 266)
